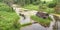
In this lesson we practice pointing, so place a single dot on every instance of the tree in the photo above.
(57, 8)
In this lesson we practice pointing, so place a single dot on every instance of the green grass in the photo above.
(49, 10)
(26, 24)
(8, 18)
(44, 22)
(5, 7)
(31, 7)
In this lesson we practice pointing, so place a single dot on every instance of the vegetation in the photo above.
(5, 7)
(42, 6)
(8, 18)
(38, 5)
(27, 2)
(52, 5)
(31, 7)
(57, 8)
(44, 22)
(26, 24)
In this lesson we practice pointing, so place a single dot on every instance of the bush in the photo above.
(8, 18)
(52, 5)
(4, 7)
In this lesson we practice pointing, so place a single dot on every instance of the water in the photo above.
(52, 22)
(58, 25)
(35, 26)
(25, 21)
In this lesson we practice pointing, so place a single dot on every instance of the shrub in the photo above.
(4, 7)
(8, 18)
(52, 5)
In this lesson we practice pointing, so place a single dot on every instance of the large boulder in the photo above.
(42, 15)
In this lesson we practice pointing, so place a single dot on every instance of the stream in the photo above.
(34, 26)
(58, 25)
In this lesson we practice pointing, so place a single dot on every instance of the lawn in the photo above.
(8, 18)
(43, 22)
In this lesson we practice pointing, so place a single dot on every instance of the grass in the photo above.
(8, 18)
(31, 7)
(26, 24)
(49, 10)
(36, 7)
(44, 22)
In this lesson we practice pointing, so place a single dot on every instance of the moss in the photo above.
(44, 22)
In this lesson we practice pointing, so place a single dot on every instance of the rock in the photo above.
(42, 15)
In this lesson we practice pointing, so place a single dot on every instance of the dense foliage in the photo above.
(52, 5)
(8, 18)
(4, 7)
(26, 2)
